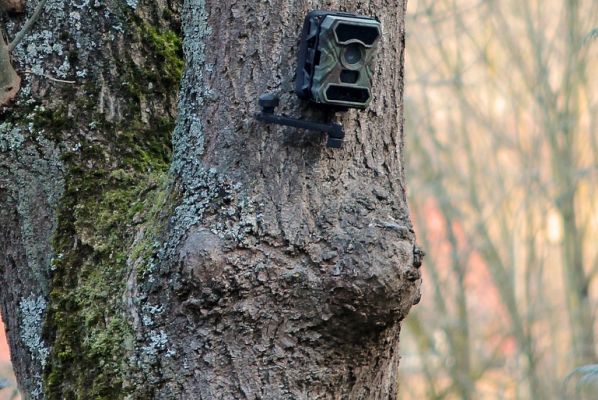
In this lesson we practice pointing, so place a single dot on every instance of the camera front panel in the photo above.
(336, 57)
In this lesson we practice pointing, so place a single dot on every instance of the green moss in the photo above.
(89, 280)
(53, 119)
(168, 47)
(109, 191)
(164, 64)
(73, 57)
(162, 204)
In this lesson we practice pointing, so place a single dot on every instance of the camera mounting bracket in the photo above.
(268, 103)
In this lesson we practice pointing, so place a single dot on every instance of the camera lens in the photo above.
(353, 53)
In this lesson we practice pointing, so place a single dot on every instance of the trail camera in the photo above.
(335, 57)
(334, 68)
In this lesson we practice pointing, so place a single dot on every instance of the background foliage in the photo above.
(501, 107)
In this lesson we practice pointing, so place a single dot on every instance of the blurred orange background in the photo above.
(6, 373)
(4, 352)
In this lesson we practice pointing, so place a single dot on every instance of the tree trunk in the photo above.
(245, 261)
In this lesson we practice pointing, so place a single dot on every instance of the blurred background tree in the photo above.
(8, 384)
(501, 106)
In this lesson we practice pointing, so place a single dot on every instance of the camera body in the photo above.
(335, 56)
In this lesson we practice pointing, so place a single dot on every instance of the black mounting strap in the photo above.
(268, 103)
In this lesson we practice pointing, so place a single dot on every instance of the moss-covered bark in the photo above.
(111, 130)
(86, 322)
(110, 190)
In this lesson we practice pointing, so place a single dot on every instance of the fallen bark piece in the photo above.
(12, 6)
(10, 82)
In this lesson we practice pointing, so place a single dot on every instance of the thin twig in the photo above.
(49, 77)
(28, 25)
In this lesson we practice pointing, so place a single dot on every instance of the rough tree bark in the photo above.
(244, 261)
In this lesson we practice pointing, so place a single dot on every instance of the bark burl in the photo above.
(259, 264)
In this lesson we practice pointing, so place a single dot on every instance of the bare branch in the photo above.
(28, 25)
(50, 77)
(593, 35)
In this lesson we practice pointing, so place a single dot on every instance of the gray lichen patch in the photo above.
(31, 182)
(42, 51)
(188, 137)
(132, 3)
(199, 186)
(157, 341)
(11, 137)
(31, 310)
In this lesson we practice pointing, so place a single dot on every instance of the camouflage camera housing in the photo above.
(335, 56)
